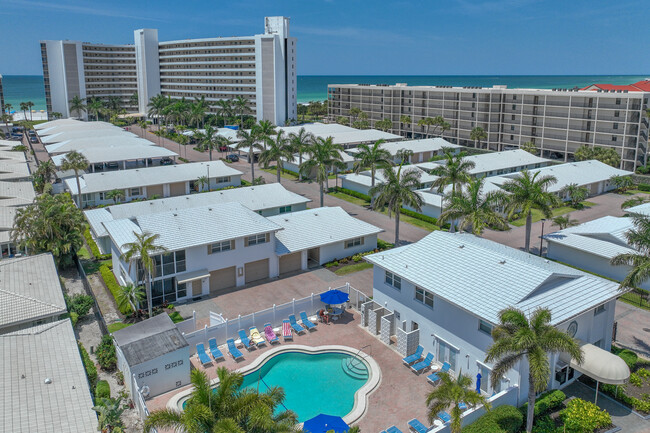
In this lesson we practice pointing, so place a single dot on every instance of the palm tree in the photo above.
(622, 183)
(95, 106)
(406, 120)
(475, 210)
(208, 140)
(478, 134)
(450, 393)
(634, 201)
(565, 221)
(76, 162)
(130, 295)
(323, 156)
(224, 109)
(249, 142)
(527, 192)
(372, 157)
(426, 122)
(300, 143)
(575, 194)
(6, 118)
(30, 104)
(110, 411)
(77, 105)
(532, 339)
(529, 147)
(203, 181)
(115, 195)
(240, 106)
(638, 238)
(384, 125)
(264, 130)
(24, 108)
(396, 191)
(455, 172)
(47, 170)
(279, 150)
(142, 250)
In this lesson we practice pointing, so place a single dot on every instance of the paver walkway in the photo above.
(633, 329)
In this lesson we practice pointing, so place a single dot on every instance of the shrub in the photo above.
(584, 416)
(89, 365)
(629, 357)
(546, 403)
(113, 287)
(102, 390)
(635, 380)
(94, 249)
(353, 193)
(419, 216)
(80, 304)
(503, 419)
(357, 258)
(185, 160)
(105, 353)
(544, 424)
(119, 376)
(176, 317)
(74, 318)
(331, 264)
(383, 245)
(644, 187)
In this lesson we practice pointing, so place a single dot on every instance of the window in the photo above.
(424, 297)
(135, 191)
(512, 127)
(485, 327)
(514, 106)
(618, 101)
(617, 113)
(512, 137)
(513, 117)
(168, 263)
(285, 209)
(393, 280)
(351, 243)
(224, 179)
(613, 138)
(447, 353)
(514, 97)
(257, 239)
(615, 125)
(102, 196)
(599, 309)
(180, 261)
(220, 246)
(414, 326)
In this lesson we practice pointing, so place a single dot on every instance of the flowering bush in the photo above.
(582, 416)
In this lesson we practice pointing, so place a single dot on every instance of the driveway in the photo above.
(633, 329)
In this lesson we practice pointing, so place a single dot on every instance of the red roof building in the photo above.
(640, 86)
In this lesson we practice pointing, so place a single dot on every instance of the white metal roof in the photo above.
(96, 155)
(306, 157)
(79, 126)
(23, 190)
(341, 134)
(58, 122)
(187, 228)
(316, 227)
(484, 277)
(255, 198)
(83, 133)
(643, 209)
(224, 132)
(417, 146)
(13, 170)
(515, 160)
(365, 178)
(110, 180)
(96, 142)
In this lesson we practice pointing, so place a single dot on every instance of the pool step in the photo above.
(355, 368)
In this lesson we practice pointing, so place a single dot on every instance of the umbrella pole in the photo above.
(596, 400)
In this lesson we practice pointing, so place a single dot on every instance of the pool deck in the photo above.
(399, 397)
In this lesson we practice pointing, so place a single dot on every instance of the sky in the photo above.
(354, 37)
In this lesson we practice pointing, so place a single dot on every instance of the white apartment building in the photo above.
(260, 68)
(557, 121)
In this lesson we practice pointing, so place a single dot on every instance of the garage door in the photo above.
(256, 270)
(222, 279)
(176, 189)
(291, 262)
(154, 190)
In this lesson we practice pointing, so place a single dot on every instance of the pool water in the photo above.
(313, 383)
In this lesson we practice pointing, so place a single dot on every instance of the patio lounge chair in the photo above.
(393, 429)
(234, 352)
(294, 324)
(286, 330)
(462, 406)
(203, 357)
(434, 378)
(214, 349)
(417, 426)
(414, 357)
(423, 365)
(270, 334)
(256, 337)
(444, 417)
(306, 322)
(244, 339)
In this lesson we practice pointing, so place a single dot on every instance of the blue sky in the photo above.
(353, 37)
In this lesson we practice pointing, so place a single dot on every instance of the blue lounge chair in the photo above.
(306, 322)
(434, 378)
(417, 426)
(444, 416)
(393, 429)
(244, 339)
(462, 406)
(421, 366)
(294, 324)
(216, 353)
(414, 357)
(234, 352)
(203, 357)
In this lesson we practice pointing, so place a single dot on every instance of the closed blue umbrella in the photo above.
(478, 383)
(323, 423)
(334, 297)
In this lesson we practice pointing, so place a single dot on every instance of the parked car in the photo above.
(33, 139)
(111, 165)
(166, 161)
(232, 157)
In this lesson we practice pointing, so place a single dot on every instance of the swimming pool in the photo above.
(326, 379)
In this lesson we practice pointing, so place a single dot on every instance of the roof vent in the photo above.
(461, 246)
(502, 262)
(546, 261)
(175, 214)
(47, 381)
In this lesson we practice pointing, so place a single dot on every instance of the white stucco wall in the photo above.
(160, 379)
(354, 186)
(337, 250)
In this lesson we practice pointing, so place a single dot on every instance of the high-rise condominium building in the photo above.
(259, 68)
(557, 121)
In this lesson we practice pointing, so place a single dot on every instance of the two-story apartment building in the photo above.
(422, 150)
(452, 286)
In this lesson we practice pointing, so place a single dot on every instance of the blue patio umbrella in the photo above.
(323, 423)
(334, 297)
(478, 383)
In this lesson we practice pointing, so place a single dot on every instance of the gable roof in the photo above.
(423, 145)
(499, 277)
(516, 159)
(95, 155)
(90, 142)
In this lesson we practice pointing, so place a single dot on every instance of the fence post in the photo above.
(347, 286)
(205, 333)
(293, 305)
(274, 319)
(239, 321)
(312, 303)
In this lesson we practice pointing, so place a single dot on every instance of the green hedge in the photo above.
(106, 356)
(102, 390)
(353, 193)
(503, 419)
(383, 245)
(419, 216)
(628, 356)
(644, 187)
(111, 283)
(93, 246)
(545, 403)
(89, 365)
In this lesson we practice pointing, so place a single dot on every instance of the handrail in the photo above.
(361, 348)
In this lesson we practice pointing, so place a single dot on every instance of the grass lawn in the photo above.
(634, 192)
(349, 198)
(90, 267)
(356, 267)
(283, 175)
(537, 215)
(414, 221)
(83, 253)
(117, 326)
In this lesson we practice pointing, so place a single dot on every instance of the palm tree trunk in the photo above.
(397, 228)
(372, 185)
(529, 222)
(322, 198)
(278, 169)
(531, 403)
(251, 155)
(299, 165)
(452, 226)
(210, 153)
(76, 175)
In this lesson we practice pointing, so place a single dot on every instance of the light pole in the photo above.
(541, 238)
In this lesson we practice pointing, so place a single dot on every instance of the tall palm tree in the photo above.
(279, 150)
(249, 142)
(528, 192)
(450, 393)
(197, 111)
(24, 108)
(455, 172)
(142, 251)
(240, 106)
(406, 120)
(95, 106)
(475, 210)
(323, 156)
(30, 104)
(47, 170)
(300, 143)
(478, 134)
(639, 239)
(396, 191)
(76, 162)
(130, 295)
(518, 337)
(115, 195)
(224, 109)
(77, 105)
(264, 130)
(372, 157)
(209, 140)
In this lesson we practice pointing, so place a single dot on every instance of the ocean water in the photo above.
(23, 88)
